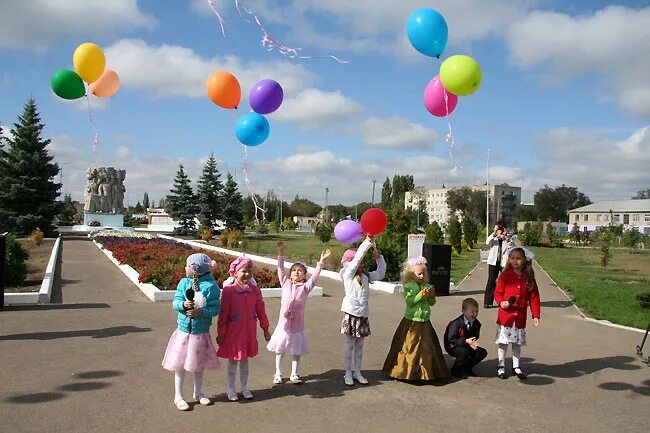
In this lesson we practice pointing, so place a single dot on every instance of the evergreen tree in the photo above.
(181, 203)
(145, 201)
(470, 232)
(232, 205)
(138, 208)
(67, 213)
(28, 192)
(162, 203)
(386, 195)
(210, 194)
(433, 234)
(455, 234)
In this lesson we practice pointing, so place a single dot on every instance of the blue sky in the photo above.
(565, 96)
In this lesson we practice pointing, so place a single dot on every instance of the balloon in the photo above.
(434, 98)
(89, 61)
(67, 84)
(223, 89)
(427, 31)
(373, 221)
(252, 129)
(461, 75)
(107, 85)
(266, 96)
(348, 232)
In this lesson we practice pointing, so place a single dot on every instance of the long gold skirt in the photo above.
(415, 353)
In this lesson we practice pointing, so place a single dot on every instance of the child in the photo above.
(190, 347)
(415, 352)
(461, 340)
(515, 290)
(241, 306)
(355, 325)
(289, 334)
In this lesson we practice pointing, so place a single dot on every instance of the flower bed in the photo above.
(161, 262)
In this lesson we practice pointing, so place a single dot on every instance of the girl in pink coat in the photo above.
(289, 334)
(241, 306)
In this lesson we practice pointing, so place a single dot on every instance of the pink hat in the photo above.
(348, 256)
(237, 264)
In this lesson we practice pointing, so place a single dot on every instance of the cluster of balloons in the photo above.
(265, 97)
(89, 66)
(373, 222)
(459, 75)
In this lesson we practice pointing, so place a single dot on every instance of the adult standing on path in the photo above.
(496, 242)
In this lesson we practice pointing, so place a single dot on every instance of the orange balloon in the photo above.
(106, 85)
(223, 89)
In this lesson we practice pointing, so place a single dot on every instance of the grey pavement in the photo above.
(92, 364)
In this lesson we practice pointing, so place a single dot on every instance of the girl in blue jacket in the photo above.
(190, 347)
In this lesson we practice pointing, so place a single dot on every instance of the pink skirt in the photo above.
(283, 342)
(190, 352)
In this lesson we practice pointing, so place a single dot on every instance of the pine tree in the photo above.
(210, 194)
(232, 205)
(145, 201)
(455, 234)
(138, 208)
(28, 192)
(386, 195)
(162, 203)
(181, 203)
(67, 213)
(433, 234)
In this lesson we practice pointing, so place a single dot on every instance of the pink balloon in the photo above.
(434, 98)
(106, 85)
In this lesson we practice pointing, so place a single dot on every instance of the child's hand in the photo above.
(188, 305)
(325, 254)
(376, 254)
(505, 305)
(536, 321)
(267, 335)
(280, 246)
(194, 312)
(219, 340)
(472, 343)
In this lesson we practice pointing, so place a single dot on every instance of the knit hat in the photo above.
(348, 255)
(200, 263)
(239, 263)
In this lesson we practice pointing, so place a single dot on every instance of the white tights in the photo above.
(295, 364)
(232, 372)
(350, 344)
(179, 378)
(516, 354)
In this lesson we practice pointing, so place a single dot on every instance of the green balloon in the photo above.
(461, 75)
(67, 84)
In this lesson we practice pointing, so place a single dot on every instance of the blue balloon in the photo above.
(427, 32)
(252, 129)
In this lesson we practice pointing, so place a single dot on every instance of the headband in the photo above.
(348, 256)
(414, 261)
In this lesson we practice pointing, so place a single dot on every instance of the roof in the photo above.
(616, 206)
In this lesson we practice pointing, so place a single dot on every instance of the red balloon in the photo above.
(373, 221)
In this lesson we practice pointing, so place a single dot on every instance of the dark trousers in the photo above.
(466, 357)
(493, 274)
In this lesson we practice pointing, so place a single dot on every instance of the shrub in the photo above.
(631, 238)
(324, 232)
(223, 238)
(433, 234)
(262, 228)
(605, 252)
(234, 238)
(289, 224)
(15, 266)
(275, 226)
(644, 300)
(206, 234)
(36, 236)
(455, 235)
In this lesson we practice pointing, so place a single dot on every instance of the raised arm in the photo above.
(282, 276)
(378, 273)
(311, 282)
(351, 268)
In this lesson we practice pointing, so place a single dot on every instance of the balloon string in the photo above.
(449, 138)
(92, 122)
(219, 18)
(249, 185)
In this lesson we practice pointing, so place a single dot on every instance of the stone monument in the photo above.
(104, 197)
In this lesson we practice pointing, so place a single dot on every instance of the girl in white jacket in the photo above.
(355, 325)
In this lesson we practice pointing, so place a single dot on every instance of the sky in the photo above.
(565, 96)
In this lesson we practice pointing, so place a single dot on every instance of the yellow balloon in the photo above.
(89, 61)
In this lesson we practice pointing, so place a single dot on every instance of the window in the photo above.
(636, 217)
(606, 217)
(599, 217)
(585, 217)
(617, 218)
(647, 217)
(626, 218)
(577, 218)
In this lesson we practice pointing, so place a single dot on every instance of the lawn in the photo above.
(603, 293)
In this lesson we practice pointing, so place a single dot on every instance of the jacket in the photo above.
(456, 332)
(418, 307)
(492, 241)
(355, 301)
(510, 284)
(211, 291)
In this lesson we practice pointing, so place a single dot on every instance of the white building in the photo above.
(630, 213)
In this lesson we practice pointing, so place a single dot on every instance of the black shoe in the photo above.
(472, 374)
(520, 375)
(501, 373)
(457, 373)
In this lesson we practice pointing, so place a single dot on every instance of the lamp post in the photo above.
(487, 196)
(373, 191)
(327, 191)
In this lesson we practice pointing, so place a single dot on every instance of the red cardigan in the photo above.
(510, 284)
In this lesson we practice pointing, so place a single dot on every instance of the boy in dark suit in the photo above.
(461, 340)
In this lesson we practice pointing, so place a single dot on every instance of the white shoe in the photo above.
(348, 380)
(295, 379)
(202, 399)
(247, 394)
(181, 404)
(359, 378)
(232, 396)
(277, 379)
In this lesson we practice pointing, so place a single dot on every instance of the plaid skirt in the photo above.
(355, 326)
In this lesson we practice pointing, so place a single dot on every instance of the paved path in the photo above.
(92, 364)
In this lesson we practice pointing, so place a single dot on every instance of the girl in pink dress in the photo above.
(289, 334)
(241, 306)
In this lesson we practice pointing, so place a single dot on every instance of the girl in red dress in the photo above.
(516, 289)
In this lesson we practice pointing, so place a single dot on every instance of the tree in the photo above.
(470, 202)
(28, 193)
(67, 213)
(631, 238)
(433, 234)
(393, 242)
(324, 232)
(304, 207)
(338, 212)
(642, 194)
(555, 203)
(162, 203)
(210, 194)
(550, 232)
(145, 201)
(401, 184)
(525, 212)
(182, 203)
(386, 195)
(138, 208)
(605, 251)
(232, 205)
(455, 234)
(470, 232)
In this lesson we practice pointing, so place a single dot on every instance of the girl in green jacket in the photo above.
(415, 353)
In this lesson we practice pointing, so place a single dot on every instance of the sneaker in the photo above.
(181, 404)
(359, 378)
(501, 373)
(247, 394)
(202, 399)
(277, 379)
(295, 379)
(348, 379)
(232, 396)
(520, 374)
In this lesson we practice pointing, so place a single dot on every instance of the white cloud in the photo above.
(612, 42)
(396, 132)
(36, 24)
(317, 109)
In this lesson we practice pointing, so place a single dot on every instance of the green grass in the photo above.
(603, 293)
(463, 264)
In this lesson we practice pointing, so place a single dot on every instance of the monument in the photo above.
(104, 197)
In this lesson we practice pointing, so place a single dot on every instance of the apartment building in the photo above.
(630, 213)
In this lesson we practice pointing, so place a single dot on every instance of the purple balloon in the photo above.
(266, 96)
(348, 232)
